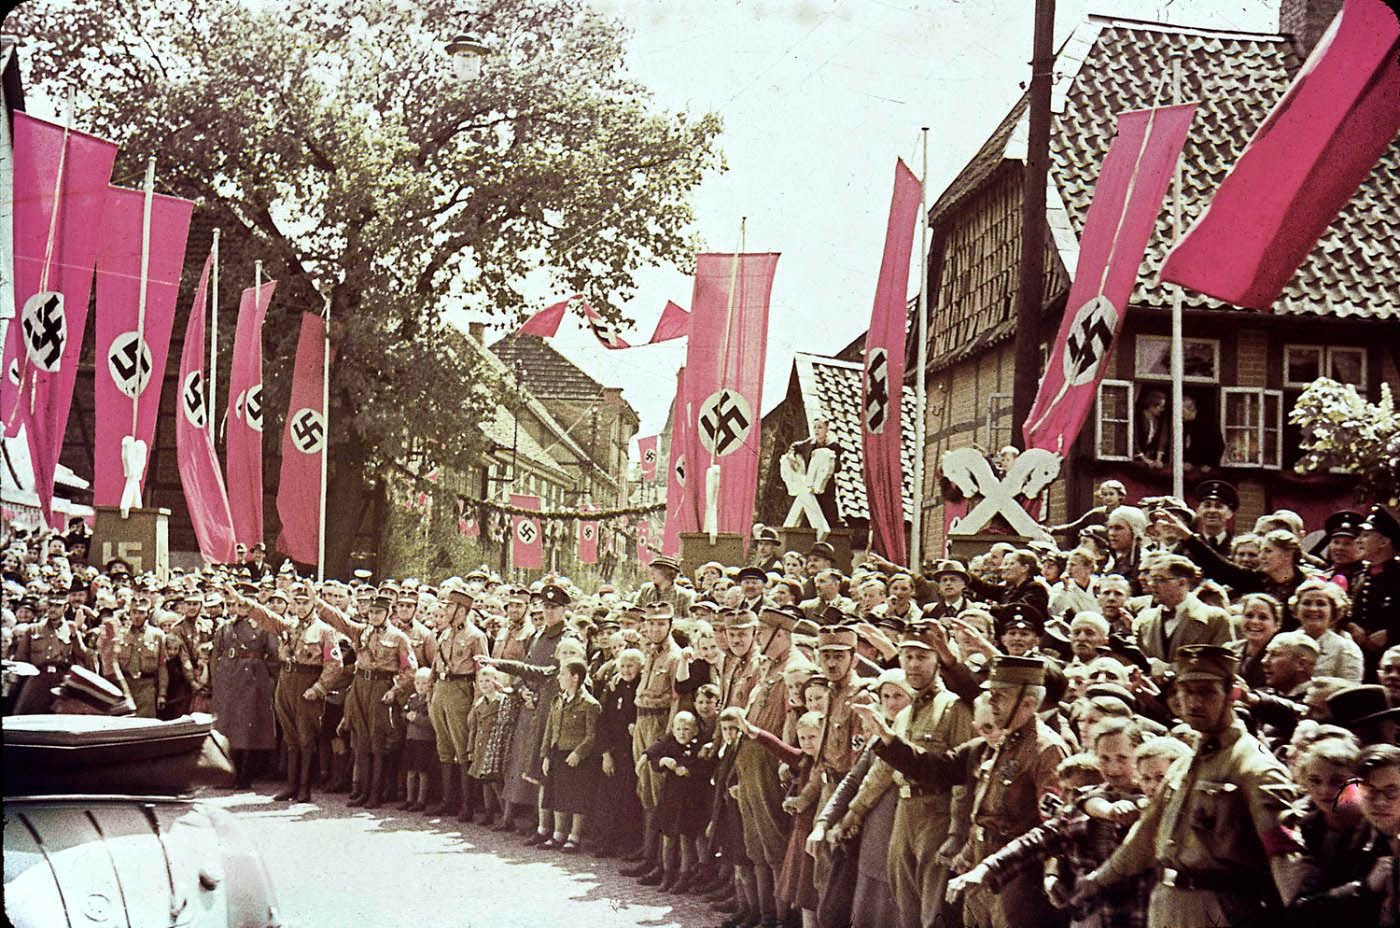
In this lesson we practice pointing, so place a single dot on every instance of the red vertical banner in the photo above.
(644, 552)
(527, 542)
(724, 362)
(205, 495)
(1127, 199)
(1302, 165)
(883, 379)
(243, 457)
(647, 448)
(679, 516)
(57, 229)
(131, 354)
(305, 438)
(587, 540)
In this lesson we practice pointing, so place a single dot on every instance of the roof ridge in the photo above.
(1202, 31)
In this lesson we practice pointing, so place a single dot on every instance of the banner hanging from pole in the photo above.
(644, 552)
(725, 355)
(882, 383)
(131, 358)
(203, 484)
(60, 188)
(679, 517)
(1303, 164)
(243, 457)
(527, 536)
(1127, 199)
(305, 438)
(647, 448)
(587, 540)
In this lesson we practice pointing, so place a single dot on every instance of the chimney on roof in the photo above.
(612, 396)
(1305, 21)
(477, 331)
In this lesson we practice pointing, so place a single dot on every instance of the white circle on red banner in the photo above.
(308, 430)
(527, 530)
(129, 363)
(44, 324)
(192, 399)
(1089, 338)
(725, 421)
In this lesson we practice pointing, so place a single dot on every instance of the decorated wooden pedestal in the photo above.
(966, 547)
(696, 549)
(800, 538)
(142, 539)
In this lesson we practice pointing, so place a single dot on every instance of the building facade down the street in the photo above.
(1339, 316)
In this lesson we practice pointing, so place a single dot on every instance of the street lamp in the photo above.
(466, 50)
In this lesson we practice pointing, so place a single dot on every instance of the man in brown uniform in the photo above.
(655, 701)
(736, 678)
(384, 667)
(837, 750)
(52, 644)
(311, 665)
(936, 721)
(454, 669)
(187, 659)
(138, 661)
(1008, 782)
(1215, 830)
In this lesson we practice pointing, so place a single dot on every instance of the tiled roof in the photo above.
(502, 431)
(1110, 65)
(831, 388)
(548, 374)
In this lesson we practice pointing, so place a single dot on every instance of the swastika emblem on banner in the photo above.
(252, 407)
(650, 456)
(588, 533)
(725, 422)
(1090, 337)
(45, 328)
(308, 428)
(192, 399)
(605, 332)
(527, 531)
(877, 390)
(129, 363)
(680, 469)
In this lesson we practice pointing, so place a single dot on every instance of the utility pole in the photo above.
(1026, 373)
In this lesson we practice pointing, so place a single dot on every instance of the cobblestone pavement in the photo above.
(337, 866)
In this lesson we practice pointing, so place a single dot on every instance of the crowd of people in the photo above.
(1170, 723)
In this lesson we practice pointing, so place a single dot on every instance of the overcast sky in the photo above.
(818, 99)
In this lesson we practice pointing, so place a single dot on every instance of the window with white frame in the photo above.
(1113, 431)
(998, 422)
(1252, 424)
(1200, 359)
(1303, 364)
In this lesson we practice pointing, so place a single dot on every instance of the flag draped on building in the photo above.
(647, 448)
(674, 323)
(1302, 165)
(883, 379)
(587, 541)
(305, 439)
(545, 323)
(724, 362)
(60, 187)
(205, 495)
(527, 536)
(133, 343)
(1127, 199)
(644, 552)
(679, 516)
(243, 426)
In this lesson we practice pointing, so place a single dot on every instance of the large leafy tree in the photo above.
(331, 140)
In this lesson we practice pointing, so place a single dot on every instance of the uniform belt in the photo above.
(1214, 881)
(236, 655)
(376, 674)
(988, 833)
(444, 675)
(663, 710)
(55, 666)
(294, 667)
(909, 791)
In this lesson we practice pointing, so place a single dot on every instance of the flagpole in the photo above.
(214, 334)
(145, 282)
(1177, 361)
(325, 445)
(916, 524)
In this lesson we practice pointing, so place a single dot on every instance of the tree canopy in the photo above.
(331, 140)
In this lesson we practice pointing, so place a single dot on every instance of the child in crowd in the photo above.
(725, 831)
(420, 746)
(481, 724)
(570, 763)
(683, 806)
(619, 831)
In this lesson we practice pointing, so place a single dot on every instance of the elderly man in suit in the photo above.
(1177, 617)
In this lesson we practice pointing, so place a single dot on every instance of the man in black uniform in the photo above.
(1376, 596)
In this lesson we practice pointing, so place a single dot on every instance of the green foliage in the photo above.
(330, 139)
(1342, 430)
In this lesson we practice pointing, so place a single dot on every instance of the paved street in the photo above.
(335, 866)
